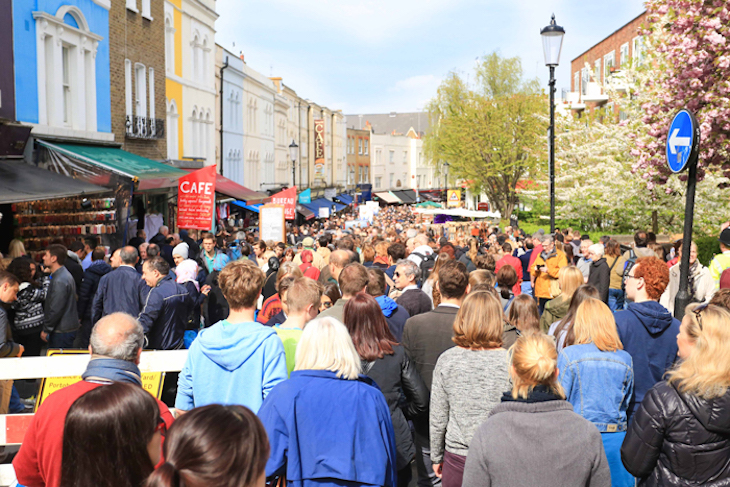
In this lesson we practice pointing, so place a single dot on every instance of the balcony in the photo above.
(573, 101)
(594, 94)
(145, 128)
(617, 81)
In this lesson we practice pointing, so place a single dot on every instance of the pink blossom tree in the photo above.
(688, 55)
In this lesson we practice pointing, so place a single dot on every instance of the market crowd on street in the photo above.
(393, 353)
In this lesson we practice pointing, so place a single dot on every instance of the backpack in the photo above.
(233, 250)
(630, 263)
(427, 264)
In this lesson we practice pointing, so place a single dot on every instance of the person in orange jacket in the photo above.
(545, 271)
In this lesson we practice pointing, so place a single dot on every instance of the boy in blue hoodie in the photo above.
(237, 360)
(647, 330)
(395, 314)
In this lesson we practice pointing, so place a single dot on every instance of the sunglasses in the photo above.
(697, 311)
(161, 427)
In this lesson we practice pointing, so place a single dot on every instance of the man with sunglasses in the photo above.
(116, 346)
(647, 330)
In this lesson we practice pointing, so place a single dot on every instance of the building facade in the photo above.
(229, 115)
(190, 84)
(358, 153)
(137, 70)
(7, 81)
(258, 128)
(61, 75)
(601, 65)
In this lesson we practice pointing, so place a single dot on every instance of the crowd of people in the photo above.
(354, 356)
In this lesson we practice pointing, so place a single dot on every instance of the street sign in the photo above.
(683, 140)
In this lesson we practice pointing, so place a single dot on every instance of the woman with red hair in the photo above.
(307, 267)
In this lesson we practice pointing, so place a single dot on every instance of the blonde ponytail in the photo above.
(534, 362)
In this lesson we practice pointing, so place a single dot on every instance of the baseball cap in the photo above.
(725, 237)
(308, 242)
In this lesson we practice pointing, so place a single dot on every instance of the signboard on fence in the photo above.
(151, 381)
(324, 212)
(272, 223)
(196, 199)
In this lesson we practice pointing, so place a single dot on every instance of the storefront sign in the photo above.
(319, 149)
(287, 199)
(196, 199)
(454, 198)
(305, 196)
(151, 381)
(324, 212)
(272, 224)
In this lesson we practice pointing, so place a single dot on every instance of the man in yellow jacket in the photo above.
(545, 271)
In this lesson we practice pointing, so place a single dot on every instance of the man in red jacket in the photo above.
(514, 262)
(116, 346)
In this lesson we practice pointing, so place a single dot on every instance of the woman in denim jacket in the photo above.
(598, 378)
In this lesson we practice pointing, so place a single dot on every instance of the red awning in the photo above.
(232, 189)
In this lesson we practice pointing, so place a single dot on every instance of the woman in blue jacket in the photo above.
(598, 378)
(327, 424)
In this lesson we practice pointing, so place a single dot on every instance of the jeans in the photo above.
(616, 299)
(541, 302)
(526, 288)
(424, 466)
(61, 340)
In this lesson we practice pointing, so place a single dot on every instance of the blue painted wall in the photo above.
(26, 74)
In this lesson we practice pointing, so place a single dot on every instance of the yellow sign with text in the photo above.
(454, 198)
(151, 381)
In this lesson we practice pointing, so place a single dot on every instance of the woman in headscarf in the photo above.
(187, 274)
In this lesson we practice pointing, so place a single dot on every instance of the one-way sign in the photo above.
(682, 141)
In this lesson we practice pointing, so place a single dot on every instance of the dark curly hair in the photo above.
(20, 268)
(655, 273)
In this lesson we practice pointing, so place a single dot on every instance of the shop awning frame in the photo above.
(242, 204)
(407, 196)
(345, 199)
(315, 205)
(21, 182)
(388, 197)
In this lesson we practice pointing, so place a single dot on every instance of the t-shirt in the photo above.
(290, 339)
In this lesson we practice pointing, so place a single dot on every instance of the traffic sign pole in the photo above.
(683, 142)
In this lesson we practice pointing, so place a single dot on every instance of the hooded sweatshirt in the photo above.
(231, 363)
(649, 333)
(395, 314)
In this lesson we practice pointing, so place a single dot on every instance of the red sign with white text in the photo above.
(287, 198)
(196, 199)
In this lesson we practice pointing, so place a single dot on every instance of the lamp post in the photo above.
(294, 153)
(446, 181)
(552, 43)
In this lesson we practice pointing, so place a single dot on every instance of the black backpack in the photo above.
(630, 263)
(427, 263)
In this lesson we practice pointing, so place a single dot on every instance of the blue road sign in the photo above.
(682, 141)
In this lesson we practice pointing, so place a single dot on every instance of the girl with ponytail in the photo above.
(533, 437)
(222, 446)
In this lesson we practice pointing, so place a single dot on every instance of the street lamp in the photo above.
(446, 180)
(552, 43)
(294, 153)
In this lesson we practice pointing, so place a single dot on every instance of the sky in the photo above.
(379, 56)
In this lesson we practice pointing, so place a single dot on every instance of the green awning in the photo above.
(149, 173)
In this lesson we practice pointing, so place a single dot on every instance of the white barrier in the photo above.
(11, 425)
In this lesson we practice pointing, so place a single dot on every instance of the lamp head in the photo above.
(293, 150)
(552, 42)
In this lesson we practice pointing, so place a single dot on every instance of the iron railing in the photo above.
(145, 128)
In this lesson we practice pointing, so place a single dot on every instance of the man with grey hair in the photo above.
(160, 236)
(121, 290)
(421, 249)
(115, 347)
(584, 263)
(411, 298)
(599, 272)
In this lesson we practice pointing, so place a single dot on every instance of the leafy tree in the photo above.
(491, 134)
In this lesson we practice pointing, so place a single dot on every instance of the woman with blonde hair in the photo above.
(570, 278)
(16, 249)
(468, 382)
(598, 378)
(680, 435)
(482, 280)
(535, 412)
(327, 424)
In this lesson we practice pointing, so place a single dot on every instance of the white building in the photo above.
(230, 66)
(259, 137)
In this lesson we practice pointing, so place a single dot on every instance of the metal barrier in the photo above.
(14, 426)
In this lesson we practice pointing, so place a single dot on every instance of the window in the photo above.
(132, 5)
(597, 71)
(169, 45)
(140, 88)
(128, 87)
(378, 156)
(66, 75)
(576, 81)
(405, 156)
(392, 178)
(367, 146)
(586, 79)
(146, 12)
(152, 93)
(378, 182)
(624, 53)
(360, 175)
(609, 61)
(194, 133)
(172, 131)
(638, 50)
(391, 157)
(359, 146)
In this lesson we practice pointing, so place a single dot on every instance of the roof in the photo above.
(23, 182)
(608, 36)
(391, 123)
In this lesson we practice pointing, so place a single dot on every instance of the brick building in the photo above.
(358, 157)
(601, 65)
(137, 68)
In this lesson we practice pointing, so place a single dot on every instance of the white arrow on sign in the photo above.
(675, 141)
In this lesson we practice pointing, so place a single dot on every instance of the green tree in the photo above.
(492, 134)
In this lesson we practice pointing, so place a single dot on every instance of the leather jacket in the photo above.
(165, 313)
(679, 439)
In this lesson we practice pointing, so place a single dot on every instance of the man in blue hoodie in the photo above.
(237, 360)
(647, 330)
(395, 314)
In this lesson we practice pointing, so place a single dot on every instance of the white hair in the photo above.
(325, 344)
(597, 249)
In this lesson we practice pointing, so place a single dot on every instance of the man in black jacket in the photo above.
(60, 314)
(599, 273)
(411, 298)
(121, 290)
(90, 284)
(425, 338)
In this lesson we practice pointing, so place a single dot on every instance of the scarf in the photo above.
(187, 271)
(114, 370)
(538, 394)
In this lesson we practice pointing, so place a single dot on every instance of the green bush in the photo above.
(707, 248)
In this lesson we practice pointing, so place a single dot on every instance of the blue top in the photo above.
(649, 334)
(598, 384)
(231, 363)
(328, 431)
